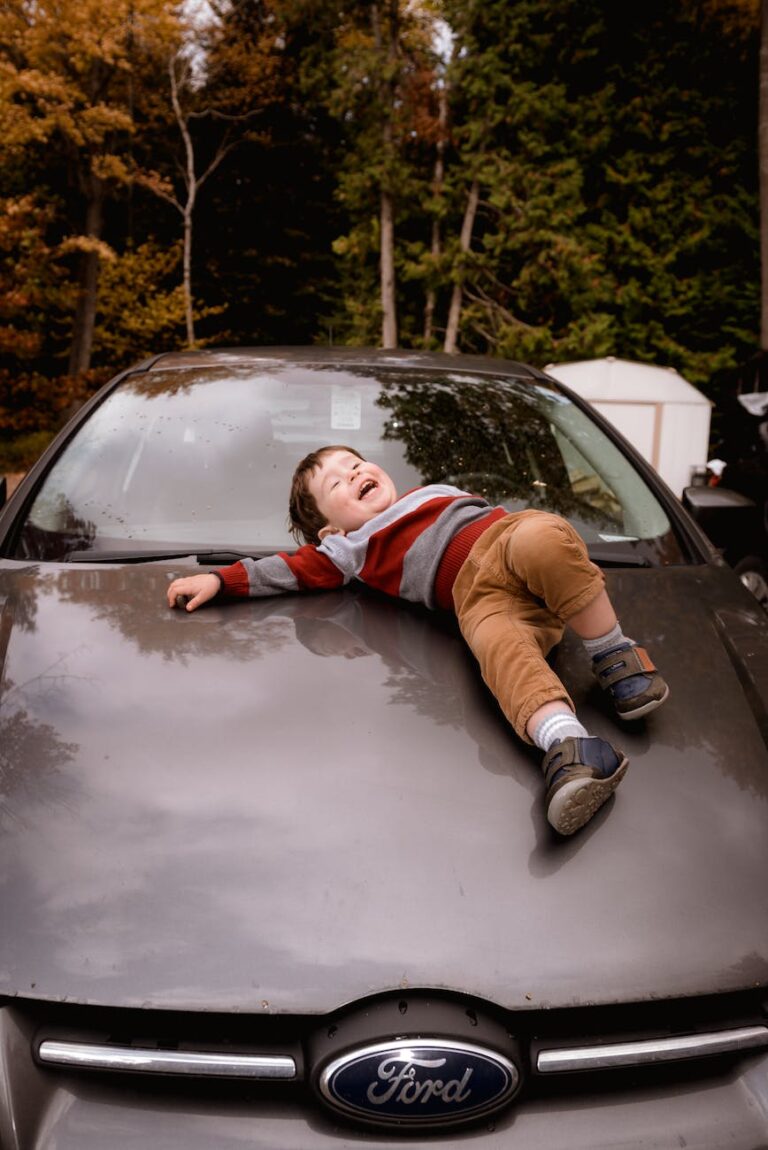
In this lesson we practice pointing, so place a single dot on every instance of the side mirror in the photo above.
(730, 520)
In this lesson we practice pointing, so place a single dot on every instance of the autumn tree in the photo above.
(31, 286)
(548, 182)
(67, 76)
(29, 277)
(219, 81)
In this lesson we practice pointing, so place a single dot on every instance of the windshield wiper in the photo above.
(221, 558)
(618, 559)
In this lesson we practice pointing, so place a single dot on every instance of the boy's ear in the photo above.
(328, 530)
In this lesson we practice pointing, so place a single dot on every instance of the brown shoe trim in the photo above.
(645, 659)
(632, 661)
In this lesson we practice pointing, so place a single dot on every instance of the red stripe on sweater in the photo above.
(234, 579)
(383, 567)
(313, 570)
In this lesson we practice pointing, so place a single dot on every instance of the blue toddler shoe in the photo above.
(581, 774)
(631, 681)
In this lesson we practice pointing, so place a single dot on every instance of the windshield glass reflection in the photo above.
(198, 461)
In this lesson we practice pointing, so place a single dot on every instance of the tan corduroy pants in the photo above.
(524, 578)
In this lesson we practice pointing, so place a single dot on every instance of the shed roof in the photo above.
(623, 380)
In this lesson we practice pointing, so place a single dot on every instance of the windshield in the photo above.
(202, 459)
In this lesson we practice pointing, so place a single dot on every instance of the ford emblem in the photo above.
(419, 1082)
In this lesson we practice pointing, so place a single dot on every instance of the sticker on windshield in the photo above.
(618, 538)
(346, 408)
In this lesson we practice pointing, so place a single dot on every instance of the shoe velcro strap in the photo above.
(562, 754)
(622, 664)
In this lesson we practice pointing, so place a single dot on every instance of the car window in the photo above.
(203, 459)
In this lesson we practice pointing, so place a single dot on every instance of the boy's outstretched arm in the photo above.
(198, 589)
(306, 570)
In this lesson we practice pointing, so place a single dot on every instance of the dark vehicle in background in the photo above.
(732, 507)
(277, 874)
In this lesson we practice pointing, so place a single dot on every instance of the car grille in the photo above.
(555, 1044)
(76, 1055)
(613, 1055)
(148, 1060)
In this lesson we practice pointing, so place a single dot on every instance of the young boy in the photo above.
(513, 579)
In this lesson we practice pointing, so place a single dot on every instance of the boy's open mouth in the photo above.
(365, 488)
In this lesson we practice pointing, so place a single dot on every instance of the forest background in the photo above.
(541, 181)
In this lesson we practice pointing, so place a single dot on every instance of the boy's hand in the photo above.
(198, 589)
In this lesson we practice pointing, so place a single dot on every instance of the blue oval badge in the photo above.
(419, 1082)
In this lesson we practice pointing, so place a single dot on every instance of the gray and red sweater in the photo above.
(413, 550)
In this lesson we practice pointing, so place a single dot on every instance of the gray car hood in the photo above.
(289, 804)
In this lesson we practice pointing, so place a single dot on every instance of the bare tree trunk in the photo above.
(185, 205)
(437, 190)
(465, 243)
(387, 231)
(388, 301)
(85, 308)
(189, 317)
(763, 163)
(187, 210)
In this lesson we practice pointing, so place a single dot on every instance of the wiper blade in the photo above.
(224, 558)
(215, 557)
(619, 559)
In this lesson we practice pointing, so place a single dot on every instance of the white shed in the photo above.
(659, 412)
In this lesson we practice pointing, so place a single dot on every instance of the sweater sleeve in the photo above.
(305, 570)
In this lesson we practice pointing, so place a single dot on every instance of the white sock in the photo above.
(561, 725)
(614, 638)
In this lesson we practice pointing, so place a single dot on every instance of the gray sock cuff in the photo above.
(614, 638)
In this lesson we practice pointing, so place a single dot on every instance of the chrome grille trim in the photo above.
(93, 1056)
(648, 1051)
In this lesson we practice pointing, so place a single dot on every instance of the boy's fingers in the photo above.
(173, 595)
(178, 594)
(189, 594)
(199, 595)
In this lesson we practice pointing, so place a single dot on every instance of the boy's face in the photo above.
(349, 491)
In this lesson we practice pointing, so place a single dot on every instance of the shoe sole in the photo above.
(576, 802)
(645, 709)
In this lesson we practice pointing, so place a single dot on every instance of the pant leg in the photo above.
(523, 579)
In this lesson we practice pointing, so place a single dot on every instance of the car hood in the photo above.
(289, 804)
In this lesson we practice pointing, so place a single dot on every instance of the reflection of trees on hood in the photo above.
(28, 750)
(131, 600)
(20, 607)
(429, 669)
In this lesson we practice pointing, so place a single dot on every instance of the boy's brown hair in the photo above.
(304, 518)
